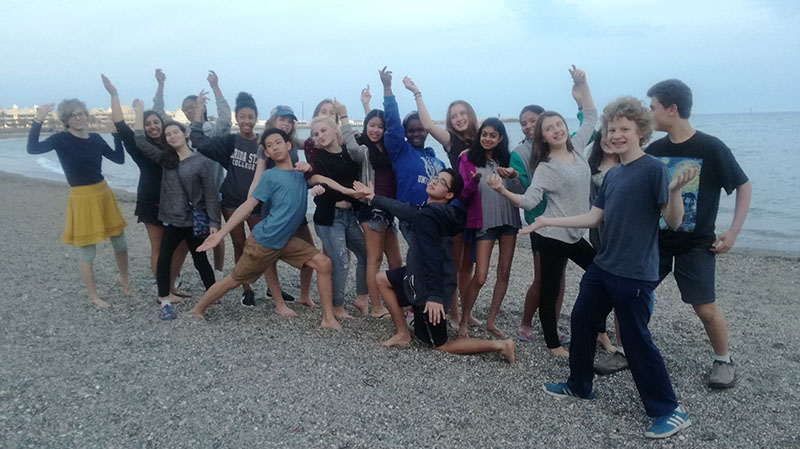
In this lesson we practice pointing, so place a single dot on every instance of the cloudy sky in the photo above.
(737, 55)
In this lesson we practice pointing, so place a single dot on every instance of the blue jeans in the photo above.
(601, 291)
(345, 233)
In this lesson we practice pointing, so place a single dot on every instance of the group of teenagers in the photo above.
(650, 212)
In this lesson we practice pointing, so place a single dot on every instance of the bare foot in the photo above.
(330, 324)
(172, 299)
(306, 302)
(99, 303)
(474, 321)
(454, 325)
(339, 313)
(508, 351)
(462, 330)
(397, 340)
(379, 313)
(361, 304)
(496, 332)
(524, 334)
(602, 338)
(126, 286)
(559, 351)
(181, 293)
(285, 312)
(194, 314)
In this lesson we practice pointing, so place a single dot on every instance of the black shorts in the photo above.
(694, 273)
(432, 335)
(147, 212)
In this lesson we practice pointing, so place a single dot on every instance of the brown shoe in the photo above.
(611, 365)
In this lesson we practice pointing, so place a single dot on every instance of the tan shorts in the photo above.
(256, 259)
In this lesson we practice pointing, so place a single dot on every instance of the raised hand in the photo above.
(386, 77)
(108, 85)
(43, 110)
(366, 97)
(578, 75)
(213, 79)
(199, 112)
(341, 110)
(410, 85)
(678, 181)
(160, 76)
(138, 106)
(506, 172)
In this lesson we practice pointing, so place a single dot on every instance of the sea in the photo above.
(764, 144)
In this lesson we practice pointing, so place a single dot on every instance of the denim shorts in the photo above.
(376, 219)
(495, 232)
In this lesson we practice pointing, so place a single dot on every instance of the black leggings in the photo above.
(173, 236)
(554, 254)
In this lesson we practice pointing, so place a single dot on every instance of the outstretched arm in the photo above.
(590, 219)
(441, 135)
(239, 215)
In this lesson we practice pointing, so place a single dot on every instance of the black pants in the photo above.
(554, 254)
(173, 236)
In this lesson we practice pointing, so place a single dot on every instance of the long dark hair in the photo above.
(378, 156)
(541, 150)
(477, 154)
(159, 141)
(169, 157)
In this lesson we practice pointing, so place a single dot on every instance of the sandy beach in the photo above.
(75, 376)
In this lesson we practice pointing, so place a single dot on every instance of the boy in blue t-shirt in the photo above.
(633, 197)
(285, 188)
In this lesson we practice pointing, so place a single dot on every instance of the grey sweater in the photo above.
(196, 173)
(567, 185)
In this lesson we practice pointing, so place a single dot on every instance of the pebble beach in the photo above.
(74, 376)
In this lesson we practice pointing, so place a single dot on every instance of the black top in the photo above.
(457, 145)
(149, 188)
(718, 170)
(81, 159)
(340, 168)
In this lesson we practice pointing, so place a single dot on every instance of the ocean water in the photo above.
(764, 144)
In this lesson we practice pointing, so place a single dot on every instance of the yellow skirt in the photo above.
(92, 215)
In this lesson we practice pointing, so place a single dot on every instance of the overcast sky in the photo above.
(499, 56)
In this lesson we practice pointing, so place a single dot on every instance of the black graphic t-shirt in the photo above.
(718, 170)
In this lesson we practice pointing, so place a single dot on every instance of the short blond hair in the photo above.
(325, 120)
(632, 109)
(68, 107)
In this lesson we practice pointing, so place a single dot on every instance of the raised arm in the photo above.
(116, 108)
(149, 150)
(217, 148)
(441, 135)
(366, 97)
(34, 146)
(356, 151)
(395, 136)
(583, 97)
(223, 125)
(158, 98)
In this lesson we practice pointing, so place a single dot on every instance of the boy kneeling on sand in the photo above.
(285, 188)
(633, 197)
(428, 280)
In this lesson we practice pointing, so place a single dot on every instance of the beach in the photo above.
(76, 376)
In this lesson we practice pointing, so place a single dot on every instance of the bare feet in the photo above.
(508, 351)
(379, 313)
(559, 351)
(496, 332)
(362, 304)
(602, 338)
(339, 313)
(397, 340)
(462, 329)
(330, 324)
(99, 303)
(194, 314)
(306, 302)
(180, 293)
(524, 334)
(126, 286)
(285, 312)
(474, 321)
(172, 299)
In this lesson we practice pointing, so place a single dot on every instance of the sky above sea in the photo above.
(737, 55)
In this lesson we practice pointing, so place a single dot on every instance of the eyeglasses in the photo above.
(438, 180)
(79, 114)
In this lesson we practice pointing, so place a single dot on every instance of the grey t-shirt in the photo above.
(495, 210)
(631, 198)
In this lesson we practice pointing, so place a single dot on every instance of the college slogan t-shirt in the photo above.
(717, 169)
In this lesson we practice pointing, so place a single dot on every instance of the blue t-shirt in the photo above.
(285, 192)
(631, 197)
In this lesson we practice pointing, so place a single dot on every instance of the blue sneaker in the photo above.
(668, 425)
(167, 312)
(562, 391)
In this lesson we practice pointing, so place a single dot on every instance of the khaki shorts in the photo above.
(256, 259)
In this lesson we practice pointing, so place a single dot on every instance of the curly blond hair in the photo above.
(632, 109)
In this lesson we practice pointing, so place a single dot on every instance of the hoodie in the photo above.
(431, 273)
